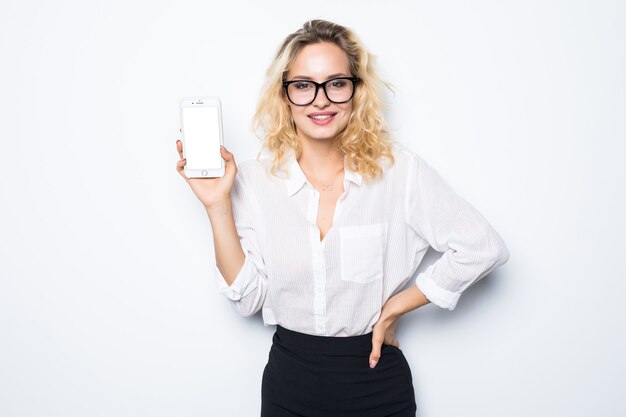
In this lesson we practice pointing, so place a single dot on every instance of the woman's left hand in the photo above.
(384, 331)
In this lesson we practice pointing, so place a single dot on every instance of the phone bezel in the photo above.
(191, 102)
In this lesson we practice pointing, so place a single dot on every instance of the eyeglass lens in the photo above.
(303, 92)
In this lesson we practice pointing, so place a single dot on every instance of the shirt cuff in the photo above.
(435, 294)
(243, 284)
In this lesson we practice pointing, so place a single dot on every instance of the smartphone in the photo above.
(202, 135)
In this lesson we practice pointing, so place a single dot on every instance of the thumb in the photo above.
(229, 158)
(375, 354)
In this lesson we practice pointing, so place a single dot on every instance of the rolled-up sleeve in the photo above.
(470, 246)
(248, 290)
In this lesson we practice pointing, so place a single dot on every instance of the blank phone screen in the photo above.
(201, 128)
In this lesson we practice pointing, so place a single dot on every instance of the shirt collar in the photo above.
(297, 179)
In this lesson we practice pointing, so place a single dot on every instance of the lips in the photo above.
(322, 118)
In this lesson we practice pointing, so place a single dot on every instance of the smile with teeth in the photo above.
(322, 117)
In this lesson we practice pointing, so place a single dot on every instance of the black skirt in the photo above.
(323, 376)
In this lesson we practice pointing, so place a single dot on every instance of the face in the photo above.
(320, 62)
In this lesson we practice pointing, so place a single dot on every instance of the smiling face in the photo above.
(320, 62)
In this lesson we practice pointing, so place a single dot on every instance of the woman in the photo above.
(324, 231)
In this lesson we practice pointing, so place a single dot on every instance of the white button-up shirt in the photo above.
(381, 230)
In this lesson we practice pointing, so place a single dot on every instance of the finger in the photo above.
(180, 167)
(229, 158)
(226, 154)
(377, 342)
(179, 148)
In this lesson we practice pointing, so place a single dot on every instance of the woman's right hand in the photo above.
(210, 191)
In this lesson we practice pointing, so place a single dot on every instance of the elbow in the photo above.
(245, 309)
(499, 253)
(504, 254)
(489, 251)
(251, 302)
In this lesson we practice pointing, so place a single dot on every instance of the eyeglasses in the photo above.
(303, 92)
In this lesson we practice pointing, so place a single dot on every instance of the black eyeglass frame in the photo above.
(354, 80)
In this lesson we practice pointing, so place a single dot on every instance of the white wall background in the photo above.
(107, 301)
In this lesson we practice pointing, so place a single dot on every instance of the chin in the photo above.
(321, 136)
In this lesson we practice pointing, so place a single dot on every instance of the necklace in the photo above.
(330, 186)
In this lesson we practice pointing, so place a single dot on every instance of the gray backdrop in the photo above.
(108, 304)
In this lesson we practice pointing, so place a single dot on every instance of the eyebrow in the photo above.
(330, 77)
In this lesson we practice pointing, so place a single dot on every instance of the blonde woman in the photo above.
(322, 231)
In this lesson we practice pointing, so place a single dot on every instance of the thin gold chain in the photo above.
(329, 186)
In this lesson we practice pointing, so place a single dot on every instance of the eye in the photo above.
(337, 83)
(302, 85)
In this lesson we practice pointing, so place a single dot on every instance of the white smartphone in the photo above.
(202, 135)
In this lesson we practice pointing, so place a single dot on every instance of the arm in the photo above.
(239, 269)
(471, 249)
(229, 256)
(471, 246)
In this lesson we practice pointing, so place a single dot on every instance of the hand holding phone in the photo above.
(208, 168)
(210, 191)
(201, 128)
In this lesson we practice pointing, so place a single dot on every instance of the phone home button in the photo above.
(205, 173)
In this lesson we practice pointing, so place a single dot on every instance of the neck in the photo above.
(321, 157)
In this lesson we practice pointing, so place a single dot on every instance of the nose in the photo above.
(320, 99)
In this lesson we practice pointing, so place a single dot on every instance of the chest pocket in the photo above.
(362, 252)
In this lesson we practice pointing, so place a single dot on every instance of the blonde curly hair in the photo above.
(366, 136)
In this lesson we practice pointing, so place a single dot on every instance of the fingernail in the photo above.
(372, 363)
